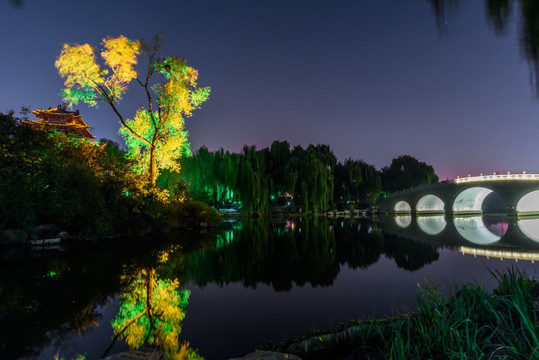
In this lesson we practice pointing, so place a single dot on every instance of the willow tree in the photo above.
(156, 137)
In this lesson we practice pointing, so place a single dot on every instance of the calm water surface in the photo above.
(253, 281)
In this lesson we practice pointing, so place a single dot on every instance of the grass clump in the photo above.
(470, 324)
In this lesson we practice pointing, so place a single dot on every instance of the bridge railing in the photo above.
(494, 177)
(498, 177)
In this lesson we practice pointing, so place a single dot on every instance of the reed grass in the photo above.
(469, 324)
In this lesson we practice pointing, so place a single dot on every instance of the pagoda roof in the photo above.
(75, 125)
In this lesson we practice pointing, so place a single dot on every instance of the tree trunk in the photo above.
(149, 302)
(153, 165)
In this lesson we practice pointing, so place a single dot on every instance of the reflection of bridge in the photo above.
(500, 237)
(465, 196)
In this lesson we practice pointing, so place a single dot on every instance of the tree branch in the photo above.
(121, 332)
(111, 103)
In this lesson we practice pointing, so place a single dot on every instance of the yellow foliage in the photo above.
(161, 131)
(165, 312)
(120, 55)
(87, 81)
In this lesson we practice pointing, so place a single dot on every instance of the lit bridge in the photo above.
(465, 196)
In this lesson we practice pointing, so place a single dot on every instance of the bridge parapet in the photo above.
(497, 177)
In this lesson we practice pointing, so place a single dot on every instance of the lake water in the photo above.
(253, 281)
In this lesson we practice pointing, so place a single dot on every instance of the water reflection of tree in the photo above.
(283, 252)
(46, 298)
(151, 313)
(408, 254)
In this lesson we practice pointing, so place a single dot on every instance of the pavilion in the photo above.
(61, 119)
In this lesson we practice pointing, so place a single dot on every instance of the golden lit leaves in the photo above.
(155, 136)
(120, 55)
(170, 142)
(151, 312)
(177, 96)
(77, 65)
(87, 81)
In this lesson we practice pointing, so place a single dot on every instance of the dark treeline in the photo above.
(406, 172)
(260, 179)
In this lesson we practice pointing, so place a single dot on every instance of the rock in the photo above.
(45, 231)
(268, 355)
(14, 236)
(141, 354)
(63, 235)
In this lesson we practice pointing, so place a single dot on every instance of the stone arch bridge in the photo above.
(465, 196)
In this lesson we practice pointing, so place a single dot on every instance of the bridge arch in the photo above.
(403, 221)
(530, 228)
(474, 230)
(430, 203)
(470, 200)
(402, 207)
(431, 225)
(529, 203)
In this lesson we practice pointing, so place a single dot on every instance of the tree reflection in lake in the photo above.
(283, 253)
(151, 313)
(51, 300)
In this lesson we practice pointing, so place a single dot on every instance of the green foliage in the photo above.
(78, 357)
(253, 176)
(191, 210)
(50, 177)
(314, 178)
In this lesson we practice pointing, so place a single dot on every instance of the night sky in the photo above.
(374, 79)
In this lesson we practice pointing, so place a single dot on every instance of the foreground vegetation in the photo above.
(85, 188)
(470, 324)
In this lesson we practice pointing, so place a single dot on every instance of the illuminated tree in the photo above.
(155, 136)
(151, 313)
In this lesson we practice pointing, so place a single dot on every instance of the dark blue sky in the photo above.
(374, 79)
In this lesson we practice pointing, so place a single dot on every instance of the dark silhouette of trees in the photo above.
(356, 182)
(406, 172)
